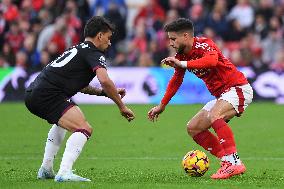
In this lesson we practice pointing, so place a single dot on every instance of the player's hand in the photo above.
(121, 92)
(154, 113)
(173, 62)
(127, 113)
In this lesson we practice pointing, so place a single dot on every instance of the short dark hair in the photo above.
(179, 25)
(97, 24)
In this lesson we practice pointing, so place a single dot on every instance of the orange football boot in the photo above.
(228, 170)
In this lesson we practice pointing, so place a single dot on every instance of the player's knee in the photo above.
(89, 128)
(86, 129)
(214, 116)
(192, 129)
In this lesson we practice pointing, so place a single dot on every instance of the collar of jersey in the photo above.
(92, 45)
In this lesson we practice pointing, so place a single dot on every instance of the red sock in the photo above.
(210, 143)
(225, 135)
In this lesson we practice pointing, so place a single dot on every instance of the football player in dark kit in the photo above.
(49, 95)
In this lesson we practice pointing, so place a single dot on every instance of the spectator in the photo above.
(236, 32)
(36, 26)
(145, 60)
(242, 10)
(8, 54)
(101, 7)
(181, 6)
(21, 60)
(44, 59)
(57, 24)
(217, 21)
(278, 64)
(59, 41)
(3, 62)
(45, 16)
(236, 58)
(260, 26)
(3, 28)
(54, 8)
(10, 10)
(172, 15)
(265, 8)
(118, 20)
(33, 56)
(28, 10)
(48, 32)
(197, 17)
(270, 45)
(152, 13)
(139, 43)
(14, 37)
(74, 24)
(37, 4)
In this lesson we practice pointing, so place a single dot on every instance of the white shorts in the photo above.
(240, 97)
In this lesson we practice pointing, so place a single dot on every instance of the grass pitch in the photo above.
(141, 154)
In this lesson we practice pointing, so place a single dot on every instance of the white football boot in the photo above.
(44, 173)
(70, 177)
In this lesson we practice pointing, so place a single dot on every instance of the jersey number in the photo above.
(64, 58)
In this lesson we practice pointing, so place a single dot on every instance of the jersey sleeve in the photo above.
(209, 55)
(96, 60)
(208, 60)
(173, 85)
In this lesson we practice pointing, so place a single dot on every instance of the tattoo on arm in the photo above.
(93, 91)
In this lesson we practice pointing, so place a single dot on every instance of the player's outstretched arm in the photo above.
(90, 90)
(111, 91)
(172, 88)
(209, 60)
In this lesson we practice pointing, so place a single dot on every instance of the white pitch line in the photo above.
(140, 158)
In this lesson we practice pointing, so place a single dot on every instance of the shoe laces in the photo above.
(224, 166)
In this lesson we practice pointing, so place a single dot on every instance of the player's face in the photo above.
(178, 41)
(105, 40)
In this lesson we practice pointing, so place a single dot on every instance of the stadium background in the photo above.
(250, 33)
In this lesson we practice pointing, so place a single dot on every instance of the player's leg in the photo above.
(230, 104)
(54, 139)
(57, 108)
(225, 135)
(198, 127)
(217, 115)
(73, 120)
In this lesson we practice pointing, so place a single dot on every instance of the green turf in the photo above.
(141, 154)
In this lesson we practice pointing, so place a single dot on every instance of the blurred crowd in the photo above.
(34, 32)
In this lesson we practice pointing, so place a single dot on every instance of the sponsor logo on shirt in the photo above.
(102, 61)
(200, 72)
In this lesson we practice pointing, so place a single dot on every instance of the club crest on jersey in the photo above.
(102, 61)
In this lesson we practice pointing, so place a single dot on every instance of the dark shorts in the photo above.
(47, 105)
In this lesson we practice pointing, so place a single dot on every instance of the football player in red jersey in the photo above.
(233, 94)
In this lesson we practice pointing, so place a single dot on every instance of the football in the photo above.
(195, 163)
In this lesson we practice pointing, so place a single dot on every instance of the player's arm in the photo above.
(90, 90)
(111, 92)
(173, 85)
(208, 60)
(172, 88)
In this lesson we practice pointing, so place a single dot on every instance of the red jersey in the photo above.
(207, 62)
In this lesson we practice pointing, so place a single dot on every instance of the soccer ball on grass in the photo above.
(195, 163)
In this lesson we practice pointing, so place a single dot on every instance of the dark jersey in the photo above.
(71, 71)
